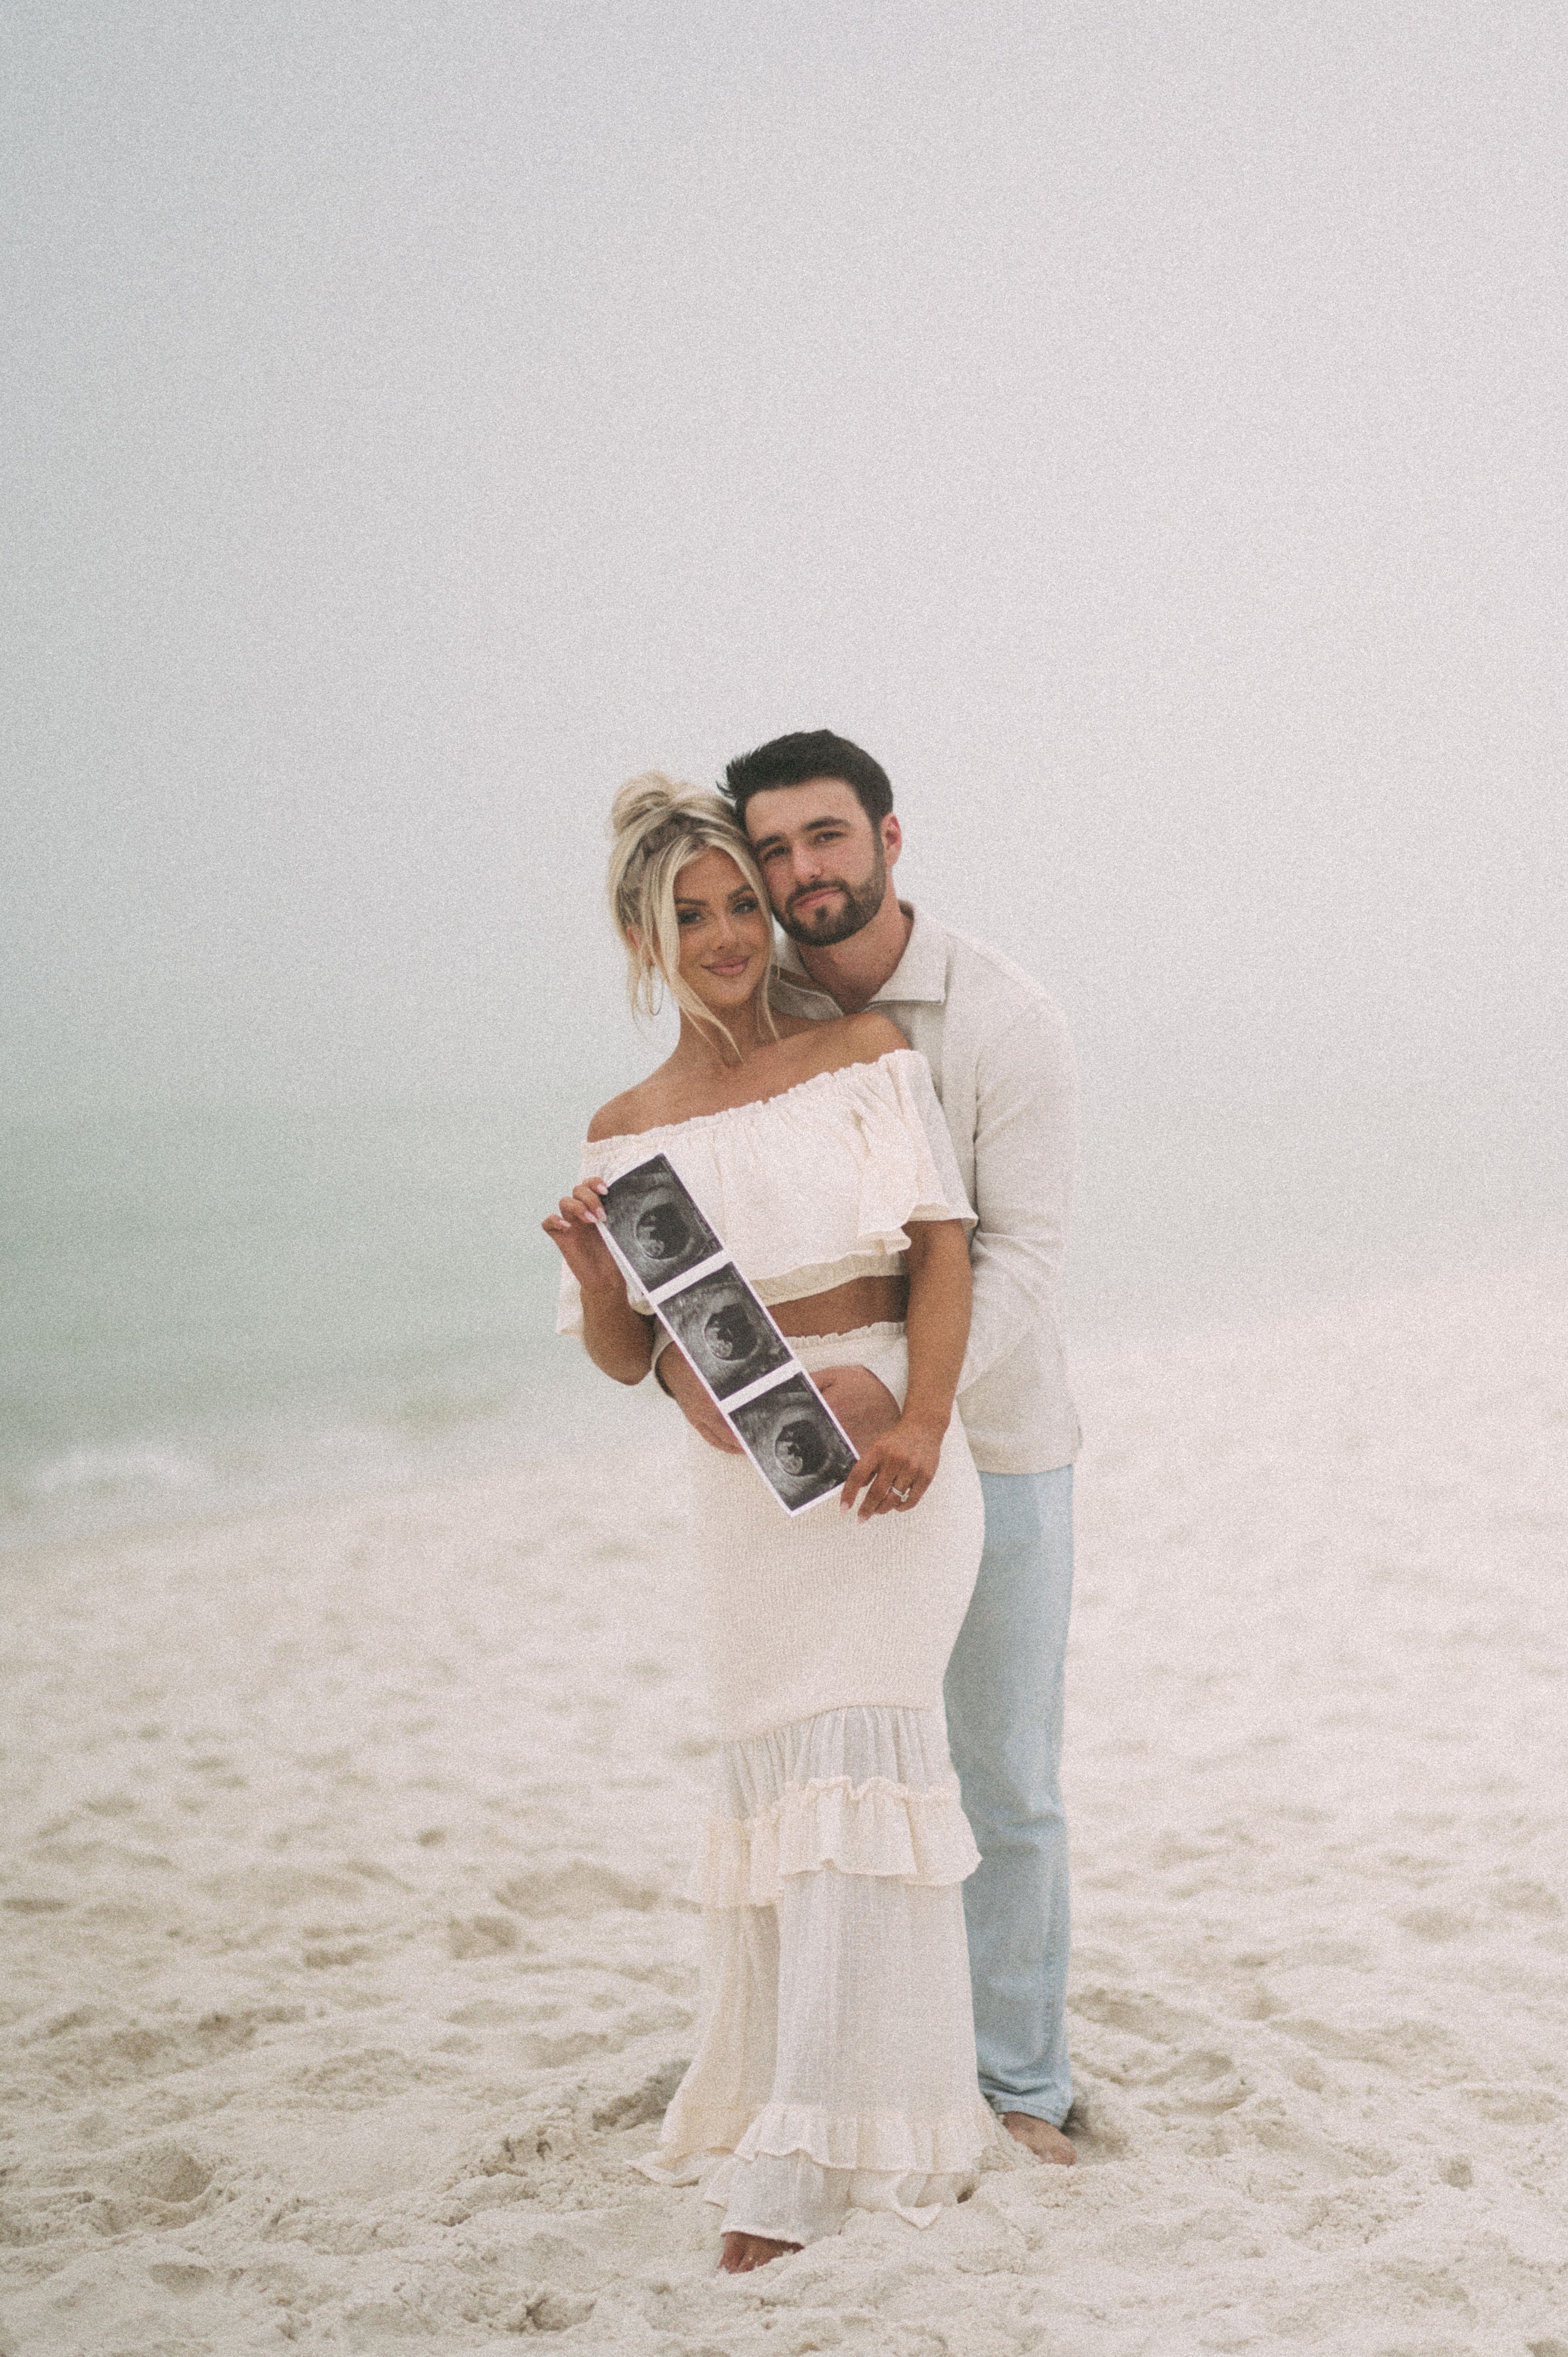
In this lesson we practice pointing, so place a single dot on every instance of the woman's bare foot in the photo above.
(1040, 2138)
(744, 2251)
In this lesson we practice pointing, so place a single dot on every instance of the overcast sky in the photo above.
(1143, 427)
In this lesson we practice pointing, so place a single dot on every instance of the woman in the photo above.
(835, 2050)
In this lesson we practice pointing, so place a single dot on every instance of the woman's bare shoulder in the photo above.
(641, 1107)
(616, 1119)
(857, 1039)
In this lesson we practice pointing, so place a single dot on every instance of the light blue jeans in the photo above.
(1004, 1693)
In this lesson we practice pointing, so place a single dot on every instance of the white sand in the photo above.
(344, 1972)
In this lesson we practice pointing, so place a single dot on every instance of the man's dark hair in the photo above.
(795, 760)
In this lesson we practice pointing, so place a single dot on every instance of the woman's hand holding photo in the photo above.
(574, 1232)
(619, 1340)
(896, 1471)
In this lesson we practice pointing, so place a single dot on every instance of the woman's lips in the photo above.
(735, 966)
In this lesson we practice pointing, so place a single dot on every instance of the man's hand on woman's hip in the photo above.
(862, 1405)
(898, 1458)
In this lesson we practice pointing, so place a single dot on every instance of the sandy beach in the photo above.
(346, 1968)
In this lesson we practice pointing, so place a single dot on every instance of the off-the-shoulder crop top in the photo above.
(812, 1187)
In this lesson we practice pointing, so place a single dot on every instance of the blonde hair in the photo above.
(657, 826)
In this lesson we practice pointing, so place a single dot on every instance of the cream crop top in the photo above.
(812, 1187)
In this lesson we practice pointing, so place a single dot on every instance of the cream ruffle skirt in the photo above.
(834, 2066)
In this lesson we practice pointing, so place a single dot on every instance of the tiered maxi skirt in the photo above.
(834, 2066)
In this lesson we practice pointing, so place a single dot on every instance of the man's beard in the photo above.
(837, 920)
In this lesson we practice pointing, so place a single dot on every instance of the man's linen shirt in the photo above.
(1002, 1063)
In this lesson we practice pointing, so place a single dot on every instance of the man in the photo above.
(819, 814)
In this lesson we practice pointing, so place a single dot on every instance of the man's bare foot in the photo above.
(744, 2251)
(1043, 2141)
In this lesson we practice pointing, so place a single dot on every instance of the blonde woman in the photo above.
(835, 2062)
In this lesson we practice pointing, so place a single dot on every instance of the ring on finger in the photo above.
(902, 1495)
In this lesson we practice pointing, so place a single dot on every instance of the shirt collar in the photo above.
(920, 975)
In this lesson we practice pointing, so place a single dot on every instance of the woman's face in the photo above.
(726, 932)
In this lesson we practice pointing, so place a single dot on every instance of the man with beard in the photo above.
(819, 814)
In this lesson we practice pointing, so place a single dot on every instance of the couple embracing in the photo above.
(880, 1125)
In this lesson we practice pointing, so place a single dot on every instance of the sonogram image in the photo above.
(794, 1442)
(726, 1333)
(651, 1215)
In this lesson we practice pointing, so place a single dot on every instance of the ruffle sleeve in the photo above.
(809, 1187)
(909, 1170)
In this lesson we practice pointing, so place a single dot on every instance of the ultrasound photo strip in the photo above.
(660, 1241)
(726, 1333)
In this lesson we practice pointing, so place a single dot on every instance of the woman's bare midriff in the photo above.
(864, 1301)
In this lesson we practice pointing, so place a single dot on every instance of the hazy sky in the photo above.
(1144, 426)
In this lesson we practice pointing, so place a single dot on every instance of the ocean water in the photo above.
(206, 1310)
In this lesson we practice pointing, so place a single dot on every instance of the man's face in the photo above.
(823, 861)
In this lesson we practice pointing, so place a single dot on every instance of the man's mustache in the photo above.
(823, 884)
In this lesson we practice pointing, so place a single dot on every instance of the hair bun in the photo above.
(646, 804)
